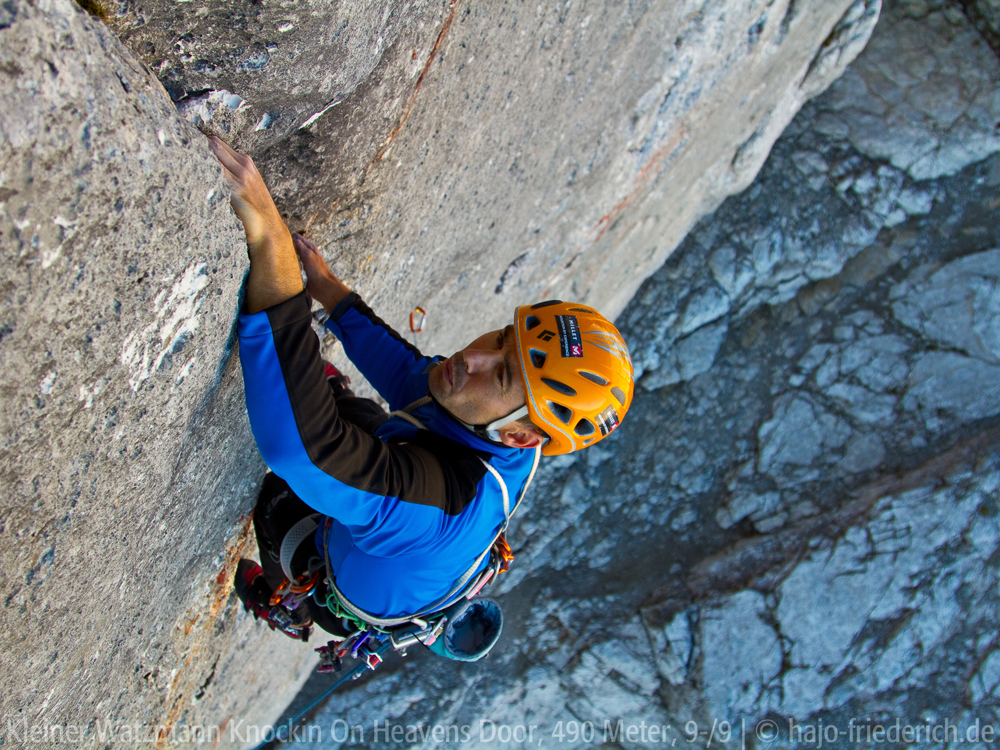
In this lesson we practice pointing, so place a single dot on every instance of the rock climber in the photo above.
(397, 506)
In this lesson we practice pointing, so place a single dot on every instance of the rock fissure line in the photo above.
(445, 28)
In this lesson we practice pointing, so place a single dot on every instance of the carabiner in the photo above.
(417, 318)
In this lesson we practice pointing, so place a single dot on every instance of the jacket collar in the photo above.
(439, 420)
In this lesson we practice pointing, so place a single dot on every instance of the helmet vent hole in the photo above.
(537, 357)
(619, 394)
(564, 414)
(546, 303)
(580, 309)
(531, 321)
(593, 377)
(584, 427)
(559, 387)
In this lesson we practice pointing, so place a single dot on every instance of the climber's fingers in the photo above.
(250, 198)
(230, 160)
(240, 171)
(303, 245)
(315, 266)
(321, 282)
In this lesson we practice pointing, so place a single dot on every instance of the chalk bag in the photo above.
(473, 627)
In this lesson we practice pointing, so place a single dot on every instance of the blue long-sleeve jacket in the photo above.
(412, 509)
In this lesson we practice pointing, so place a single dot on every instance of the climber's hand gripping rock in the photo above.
(321, 283)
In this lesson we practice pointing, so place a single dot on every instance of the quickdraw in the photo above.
(288, 622)
(372, 654)
(333, 604)
(502, 549)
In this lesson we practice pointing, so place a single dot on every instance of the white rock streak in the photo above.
(319, 114)
(175, 321)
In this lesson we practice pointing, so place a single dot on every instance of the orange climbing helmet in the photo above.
(577, 373)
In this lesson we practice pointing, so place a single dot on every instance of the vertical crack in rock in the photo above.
(845, 41)
(411, 100)
(511, 271)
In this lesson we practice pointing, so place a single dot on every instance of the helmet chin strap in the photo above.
(488, 431)
(491, 431)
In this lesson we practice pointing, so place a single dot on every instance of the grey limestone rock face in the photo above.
(875, 612)
(128, 466)
(807, 526)
(985, 15)
(438, 151)
(742, 655)
(855, 195)
(288, 61)
(956, 305)
(468, 158)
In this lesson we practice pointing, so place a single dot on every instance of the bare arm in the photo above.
(274, 268)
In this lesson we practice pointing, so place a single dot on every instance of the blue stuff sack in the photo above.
(472, 629)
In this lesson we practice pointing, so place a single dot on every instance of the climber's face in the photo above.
(483, 382)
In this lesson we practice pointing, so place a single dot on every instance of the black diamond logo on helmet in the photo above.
(546, 335)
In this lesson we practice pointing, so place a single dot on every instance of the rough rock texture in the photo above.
(128, 467)
(985, 15)
(798, 518)
(441, 151)
(525, 151)
(926, 100)
(291, 59)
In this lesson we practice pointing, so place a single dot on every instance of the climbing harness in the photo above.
(465, 587)
(294, 590)
(460, 625)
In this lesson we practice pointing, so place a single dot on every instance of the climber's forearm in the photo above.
(274, 267)
(274, 271)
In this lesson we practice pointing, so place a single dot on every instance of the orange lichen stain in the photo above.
(233, 555)
(445, 27)
(222, 731)
(646, 174)
(333, 209)
(202, 635)
(167, 727)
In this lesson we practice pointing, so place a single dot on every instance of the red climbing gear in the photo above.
(417, 318)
